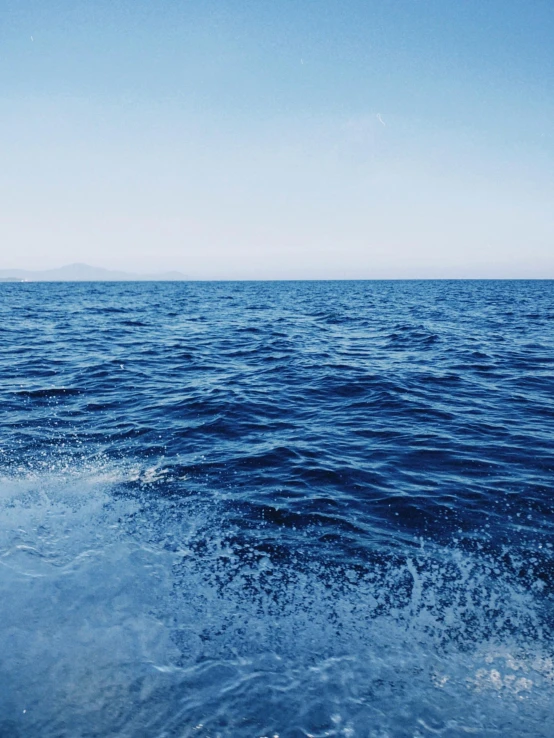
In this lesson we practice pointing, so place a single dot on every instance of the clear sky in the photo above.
(279, 138)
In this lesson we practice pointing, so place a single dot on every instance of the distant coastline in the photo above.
(86, 273)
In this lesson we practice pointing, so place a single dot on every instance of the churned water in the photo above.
(271, 510)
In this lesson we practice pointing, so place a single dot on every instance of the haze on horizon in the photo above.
(281, 139)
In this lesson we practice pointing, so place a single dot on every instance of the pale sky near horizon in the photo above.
(258, 138)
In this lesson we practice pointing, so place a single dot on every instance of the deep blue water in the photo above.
(277, 509)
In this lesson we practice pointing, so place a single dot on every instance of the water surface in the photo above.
(277, 509)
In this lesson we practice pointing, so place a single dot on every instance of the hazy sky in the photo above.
(271, 138)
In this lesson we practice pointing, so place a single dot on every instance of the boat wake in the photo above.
(130, 611)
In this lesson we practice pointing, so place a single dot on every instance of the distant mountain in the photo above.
(85, 273)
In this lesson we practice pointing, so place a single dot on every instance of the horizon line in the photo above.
(15, 280)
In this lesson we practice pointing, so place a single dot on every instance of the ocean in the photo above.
(277, 509)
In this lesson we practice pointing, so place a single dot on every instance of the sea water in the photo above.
(277, 510)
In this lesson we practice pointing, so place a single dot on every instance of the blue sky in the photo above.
(390, 138)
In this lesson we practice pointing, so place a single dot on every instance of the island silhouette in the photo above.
(85, 273)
